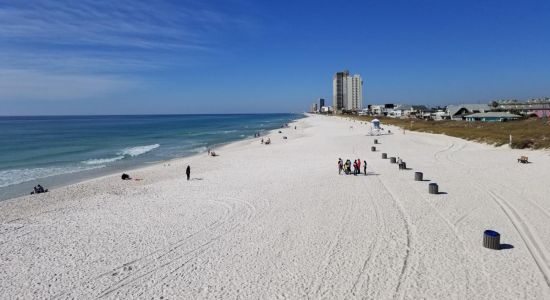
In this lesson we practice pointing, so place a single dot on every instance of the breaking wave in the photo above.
(100, 161)
(16, 176)
(135, 151)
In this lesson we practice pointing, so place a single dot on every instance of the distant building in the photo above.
(381, 109)
(321, 102)
(347, 92)
(356, 101)
(400, 111)
(539, 107)
(459, 112)
(313, 108)
(492, 117)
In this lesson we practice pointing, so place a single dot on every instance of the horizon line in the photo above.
(161, 114)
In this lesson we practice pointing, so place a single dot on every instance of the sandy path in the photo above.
(278, 221)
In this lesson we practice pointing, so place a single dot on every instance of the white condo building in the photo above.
(347, 92)
(356, 94)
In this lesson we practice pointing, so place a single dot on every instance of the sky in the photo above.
(240, 56)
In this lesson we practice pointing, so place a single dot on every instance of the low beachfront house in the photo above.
(492, 117)
(378, 109)
(459, 112)
(400, 111)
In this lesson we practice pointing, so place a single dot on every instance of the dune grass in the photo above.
(533, 133)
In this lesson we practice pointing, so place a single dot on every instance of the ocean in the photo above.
(57, 150)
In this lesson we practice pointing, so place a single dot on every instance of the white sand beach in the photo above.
(277, 221)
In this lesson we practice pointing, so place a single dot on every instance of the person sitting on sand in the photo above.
(38, 190)
(262, 141)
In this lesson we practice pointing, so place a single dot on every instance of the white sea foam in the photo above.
(100, 161)
(15, 176)
(199, 149)
(135, 151)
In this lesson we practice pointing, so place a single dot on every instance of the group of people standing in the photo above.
(347, 166)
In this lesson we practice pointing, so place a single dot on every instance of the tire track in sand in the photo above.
(164, 267)
(538, 252)
(317, 283)
(116, 278)
(410, 258)
(373, 250)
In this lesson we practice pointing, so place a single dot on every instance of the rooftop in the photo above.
(493, 114)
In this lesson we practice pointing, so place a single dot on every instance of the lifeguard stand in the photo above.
(375, 128)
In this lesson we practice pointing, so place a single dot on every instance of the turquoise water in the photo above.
(61, 149)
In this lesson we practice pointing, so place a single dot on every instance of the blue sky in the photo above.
(130, 57)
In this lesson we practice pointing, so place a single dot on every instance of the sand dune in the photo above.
(278, 221)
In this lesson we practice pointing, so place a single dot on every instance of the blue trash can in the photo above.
(491, 239)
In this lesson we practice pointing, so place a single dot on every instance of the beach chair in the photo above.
(523, 159)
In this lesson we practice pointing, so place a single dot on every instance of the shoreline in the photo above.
(63, 180)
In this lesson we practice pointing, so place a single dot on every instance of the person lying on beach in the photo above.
(127, 177)
(213, 153)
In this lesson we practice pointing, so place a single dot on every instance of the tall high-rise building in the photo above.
(339, 91)
(356, 94)
(321, 103)
(347, 92)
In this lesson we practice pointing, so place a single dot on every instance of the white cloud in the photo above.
(76, 49)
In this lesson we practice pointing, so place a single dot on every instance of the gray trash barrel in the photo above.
(491, 239)
(403, 166)
(393, 160)
(433, 188)
(375, 141)
(418, 176)
(384, 155)
(372, 148)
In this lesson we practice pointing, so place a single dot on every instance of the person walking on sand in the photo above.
(188, 172)
(365, 167)
(340, 166)
(358, 166)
